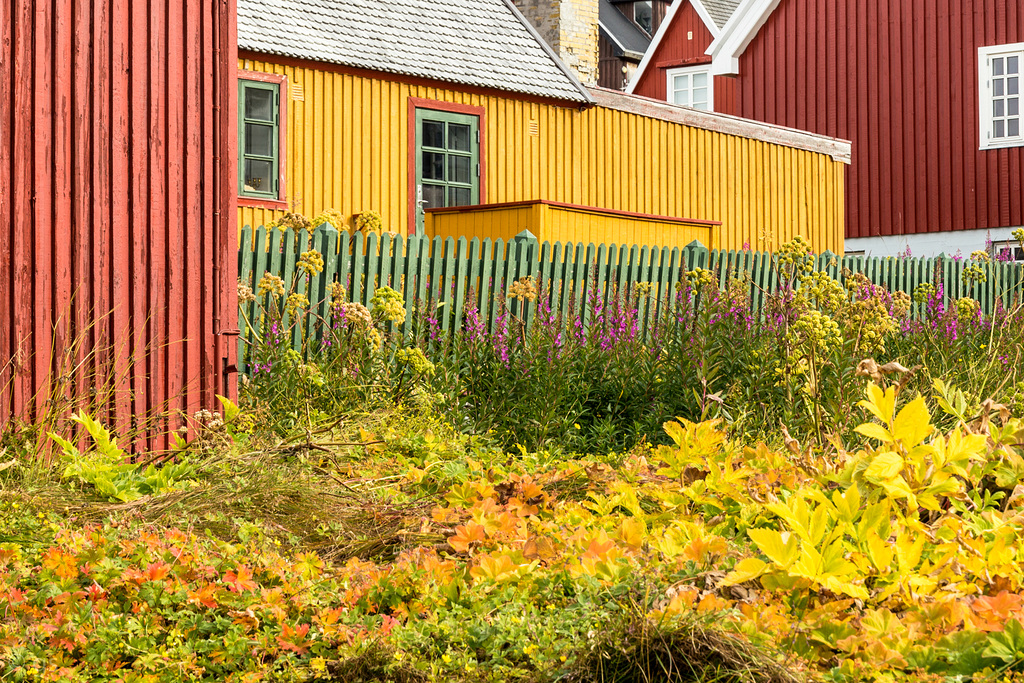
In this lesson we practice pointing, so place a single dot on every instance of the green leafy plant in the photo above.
(106, 467)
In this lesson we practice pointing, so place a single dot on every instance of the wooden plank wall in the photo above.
(899, 79)
(447, 274)
(550, 222)
(118, 239)
(348, 148)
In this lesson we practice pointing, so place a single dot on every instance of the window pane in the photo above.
(434, 195)
(1012, 85)
(997, 129)
(259, 104)
(458, 137)
(459, 169)
(258, 176)
(681, 82)
(642, 14)
(433, 165)
(433, 134)
(259, 139)
(1012, 65)
(1013, 106)
(700, 95)
(997, 107)
(997, 66)
(1013, 127)
(461, 196)
(700, 80)
(997, 86)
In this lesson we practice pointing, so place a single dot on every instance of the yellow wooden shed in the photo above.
(456, 117)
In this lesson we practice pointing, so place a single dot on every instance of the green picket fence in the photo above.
(445, 272)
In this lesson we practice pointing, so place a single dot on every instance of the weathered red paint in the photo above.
(117, 216)
(900, 80)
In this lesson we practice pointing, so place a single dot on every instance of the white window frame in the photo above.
(985, 55)
(670, 75)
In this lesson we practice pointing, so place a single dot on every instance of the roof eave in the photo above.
(737, 34)
(588, 99)
(662, 30)
(839, 150)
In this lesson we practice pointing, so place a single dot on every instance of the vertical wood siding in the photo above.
(347, 149)
(117, 215)
(899, 79)
(551, 222)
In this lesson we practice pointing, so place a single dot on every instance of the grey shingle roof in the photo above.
(627, 35)
(483, 43)
(721, 10)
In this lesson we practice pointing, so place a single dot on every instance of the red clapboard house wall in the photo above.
(898, 78)
(117, 217)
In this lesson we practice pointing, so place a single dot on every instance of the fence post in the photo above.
(696, 256)
(526, 246)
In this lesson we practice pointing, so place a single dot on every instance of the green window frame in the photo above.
(447, 160)
(259, 139)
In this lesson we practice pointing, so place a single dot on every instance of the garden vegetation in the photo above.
(826, 490)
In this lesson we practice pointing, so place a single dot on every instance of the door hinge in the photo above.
(478, 136)
(478, 170)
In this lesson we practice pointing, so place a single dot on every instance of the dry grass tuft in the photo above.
(693, 652)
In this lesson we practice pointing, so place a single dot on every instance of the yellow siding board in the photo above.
(347, 148)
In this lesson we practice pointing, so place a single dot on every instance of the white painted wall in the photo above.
(931, 244)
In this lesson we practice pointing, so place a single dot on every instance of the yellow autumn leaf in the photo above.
(897, 487)
(844, 587)
(880, 552)
(632, 532)
(494, 568)
(873, 430)
(908, 552)
(745, 570)
(880, 402)
(847, 504)
(913, 424)
(782, 549)
(884, 466)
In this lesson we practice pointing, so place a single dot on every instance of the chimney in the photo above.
(570, 28)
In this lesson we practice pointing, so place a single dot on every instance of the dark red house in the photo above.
(118, 238)
(927, 91)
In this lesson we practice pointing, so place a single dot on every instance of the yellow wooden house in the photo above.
(459, 120)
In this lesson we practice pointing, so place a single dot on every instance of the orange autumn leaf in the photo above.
(61, 564)
(240, 581)
(539, 548)
(599, 546)
(466, 536)
(157, 571)
(205, 596)
(1002, 605)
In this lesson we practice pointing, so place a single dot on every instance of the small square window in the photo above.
(1007, 250)
(259, 133)
(999, 72)
(692, 87)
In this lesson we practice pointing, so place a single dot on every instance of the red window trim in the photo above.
(423, 103)
(688, 61)
(280, 202)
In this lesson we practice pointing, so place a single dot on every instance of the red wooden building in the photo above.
(118, 237)
(927, 91)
